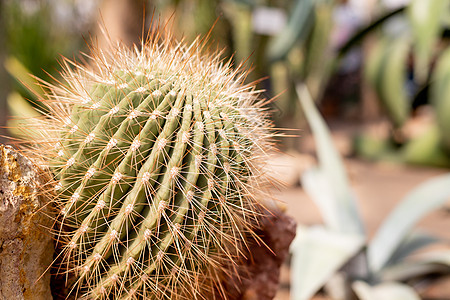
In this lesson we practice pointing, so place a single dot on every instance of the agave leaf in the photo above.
(19, 110)
(384, 291)
(318, 58)
(364, 31)
(371, 147)
(316, 185)
(426, 18)
(372, 63)
(246, 2)
(297, 29)
(341, 200)
(22, 74)
(423, 199)
(18, 107)
(426, 149)
(431, 262)
(440, 95)
(414, 241)
(317, 253)
(386, 71)
(317, 47)
(239, 14)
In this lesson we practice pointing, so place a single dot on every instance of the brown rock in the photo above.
(26, 248)
(259, 275)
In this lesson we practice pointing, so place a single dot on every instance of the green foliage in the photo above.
(23, 76)
(426, 149)
(33, 42)
(318, 253)
(440, 97)
(426, 18)
(303, 52)
(19, 110)
(386, 71)
(207, 18)
(296, 31)
(26, 32)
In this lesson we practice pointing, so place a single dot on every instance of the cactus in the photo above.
(156, 156)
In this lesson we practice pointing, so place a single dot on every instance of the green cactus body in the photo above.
(155, 159)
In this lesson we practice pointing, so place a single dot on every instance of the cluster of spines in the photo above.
(155, 173)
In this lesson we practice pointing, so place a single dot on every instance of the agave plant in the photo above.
(375, 269)
(156, 155)
(404, 67)
(395, 63)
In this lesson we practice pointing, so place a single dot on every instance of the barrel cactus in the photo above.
(156, 156)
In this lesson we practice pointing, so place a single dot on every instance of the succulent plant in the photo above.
(156, 156)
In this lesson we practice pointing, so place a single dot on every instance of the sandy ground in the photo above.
(378, 187)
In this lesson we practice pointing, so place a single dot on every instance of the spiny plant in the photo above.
(156, 155)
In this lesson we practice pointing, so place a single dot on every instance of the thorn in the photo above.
(141, 90)
(90, 172)
(73, 129)
(114, 110)
(129, 209)
(70, 162)
(112, 143)
(147, 234)
(146, 177)
(134, 113)
(100, 205)
(90, 138)
(74, 197)
(116, 177)
(156, 93)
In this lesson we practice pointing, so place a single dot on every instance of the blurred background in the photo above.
(376, 71)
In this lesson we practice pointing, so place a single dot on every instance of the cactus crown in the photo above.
(155, 158)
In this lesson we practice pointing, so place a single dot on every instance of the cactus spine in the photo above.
(155, 155)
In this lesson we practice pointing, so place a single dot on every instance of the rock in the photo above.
(26, 247)
(259, 274)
